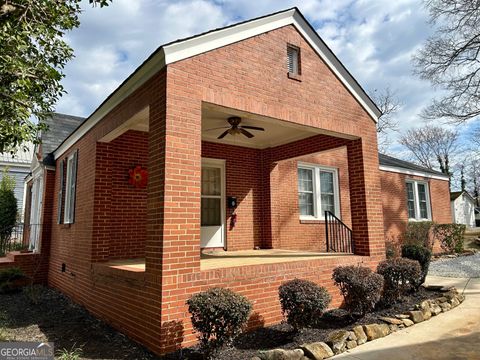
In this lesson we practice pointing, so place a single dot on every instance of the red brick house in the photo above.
(132, 251)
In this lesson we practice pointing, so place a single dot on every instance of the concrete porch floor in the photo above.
(216, 259)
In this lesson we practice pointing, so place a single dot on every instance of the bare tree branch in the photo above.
(388, 103)
(450, 59)
(432, 145)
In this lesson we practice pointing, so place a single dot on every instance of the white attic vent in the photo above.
(293, 59)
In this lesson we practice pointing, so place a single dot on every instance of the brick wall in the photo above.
(395, 215)
(130, 305)
(119, 206)
(292, 232)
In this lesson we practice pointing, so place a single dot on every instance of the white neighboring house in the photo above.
(463, 208)
(18, 165)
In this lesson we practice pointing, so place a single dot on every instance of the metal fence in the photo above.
(12, 239)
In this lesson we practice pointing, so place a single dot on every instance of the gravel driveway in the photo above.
(460, 267)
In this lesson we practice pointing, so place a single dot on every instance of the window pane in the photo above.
(305, 180)
(305, 203)
(421, 192)
(305, 192)
(410, 201)
(422, 196)
(326, 182)
(328, 203)
(211, 212)
(211, 181)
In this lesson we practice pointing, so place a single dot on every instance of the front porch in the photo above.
(282, 181)
(217, 259)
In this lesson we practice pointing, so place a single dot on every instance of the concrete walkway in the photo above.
(451, 335)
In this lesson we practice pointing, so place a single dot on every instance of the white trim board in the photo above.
(413, 172)
(215, 39)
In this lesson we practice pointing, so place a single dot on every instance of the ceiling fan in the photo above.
(235, 128)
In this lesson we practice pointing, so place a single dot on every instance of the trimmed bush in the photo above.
(400, 276)
(419, 233)
(391, 249)
(450, 237)
(360, 287)
(302, 302)
(218, 315)
(422, 255)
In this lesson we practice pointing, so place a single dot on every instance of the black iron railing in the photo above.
(339, 236)
(12, 239)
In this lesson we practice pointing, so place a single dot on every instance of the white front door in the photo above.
(213, 204)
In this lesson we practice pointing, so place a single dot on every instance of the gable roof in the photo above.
(454, 195)
(60, 126)
(191, 46)
(389, 163)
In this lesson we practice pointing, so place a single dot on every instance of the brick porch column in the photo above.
(173, 239)
(172, 251)
(365, 195)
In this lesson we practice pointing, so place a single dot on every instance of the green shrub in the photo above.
(360, 287)
(400, 276)
(74, 353)
(302, 302)
(391, 249)
(8, 277)
(18, 246)
(450, 237)
(8, 210)
(422, 255)
(218, 315)
(419, 233)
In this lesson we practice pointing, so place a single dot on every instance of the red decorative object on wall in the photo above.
(138, 177)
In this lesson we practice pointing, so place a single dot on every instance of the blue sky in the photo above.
(375, 39)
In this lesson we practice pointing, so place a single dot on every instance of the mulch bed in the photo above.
(281, 336)
(56, 318)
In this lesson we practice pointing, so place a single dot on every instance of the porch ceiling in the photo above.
(277, 132)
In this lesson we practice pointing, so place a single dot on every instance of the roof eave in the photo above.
(144, 72)
(400, 170)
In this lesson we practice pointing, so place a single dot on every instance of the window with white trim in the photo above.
(70, 188)
(418, 200)
(317, 191)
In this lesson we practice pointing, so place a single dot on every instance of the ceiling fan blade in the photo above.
(252, 127)
(217, 128)
(246, 133)
(223, 134)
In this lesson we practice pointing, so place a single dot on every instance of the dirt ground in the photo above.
(55, 318)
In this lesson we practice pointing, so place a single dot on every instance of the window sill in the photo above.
(419, 220)
(65, 226)
(312, 221)
(294, 76)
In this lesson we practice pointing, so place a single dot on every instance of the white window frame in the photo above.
(69, 197)
(317, 194)
(417, 200)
